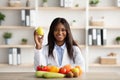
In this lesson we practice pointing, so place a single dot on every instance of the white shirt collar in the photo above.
(63, 46)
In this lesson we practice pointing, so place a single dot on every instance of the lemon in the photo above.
(40, 31)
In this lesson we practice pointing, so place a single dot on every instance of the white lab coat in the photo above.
(41, 58)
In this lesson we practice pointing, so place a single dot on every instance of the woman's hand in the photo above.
(38, 40)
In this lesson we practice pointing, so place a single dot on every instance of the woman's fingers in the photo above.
(38, 40)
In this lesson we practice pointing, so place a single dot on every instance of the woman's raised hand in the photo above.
(38, 40)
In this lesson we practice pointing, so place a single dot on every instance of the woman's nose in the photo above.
(59, 31)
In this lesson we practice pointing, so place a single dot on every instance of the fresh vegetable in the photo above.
(43, 68)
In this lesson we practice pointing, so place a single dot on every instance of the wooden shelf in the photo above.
(104, 8)
(81, 46)
(106, 46)
(21, 65)
(103, 65)
(61, 8)
(16, 8)
(77, 27)
(17, 46)
(72, 27)
(16, 27)
(106, 27)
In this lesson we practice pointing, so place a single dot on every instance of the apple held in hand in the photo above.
(40, 31)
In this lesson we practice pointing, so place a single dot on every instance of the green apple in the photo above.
(75, 70)
(40, 31)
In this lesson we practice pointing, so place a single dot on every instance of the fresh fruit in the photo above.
(75, 72)
(54, 69)
(40, 31)
(39, 74)
(63, 70)
(80, 70)
(69, 75)
(68, 68)
(53, 75)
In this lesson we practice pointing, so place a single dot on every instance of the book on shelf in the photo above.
(94, 37)
(118, 3)
(23, 17)
(90, 37)
(27, 17)
(18, 56)
(98, 33)
(10, 57)
(14, 56)
(62, 3)
(97, 37)
(104, 36)
(66, 3)
(32, 18)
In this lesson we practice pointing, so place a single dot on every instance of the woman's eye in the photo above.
(61, 30)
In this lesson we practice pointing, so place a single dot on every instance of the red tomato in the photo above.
(39, 68)
(44, 68)
(62, 70)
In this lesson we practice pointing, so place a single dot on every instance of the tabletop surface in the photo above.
(85, 76)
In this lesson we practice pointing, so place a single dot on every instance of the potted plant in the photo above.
(2, 17)
(118, 40)
(93, 2)
(7, 36)
(24, 41)
(45, 3)
(74, 23)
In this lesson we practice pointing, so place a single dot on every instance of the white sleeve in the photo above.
(78, 57)
(39, 58)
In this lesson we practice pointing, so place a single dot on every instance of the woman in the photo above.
(61, 48)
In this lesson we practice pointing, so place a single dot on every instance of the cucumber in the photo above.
(39, 74)
(53, 75)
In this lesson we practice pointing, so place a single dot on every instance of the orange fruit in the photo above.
(54, 69)
(80, 70)
(67, 67)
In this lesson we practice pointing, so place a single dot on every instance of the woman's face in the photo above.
(60, 34)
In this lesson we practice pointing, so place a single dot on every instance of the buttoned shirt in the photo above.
(60, 50)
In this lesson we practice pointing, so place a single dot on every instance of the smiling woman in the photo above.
(61, 48)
